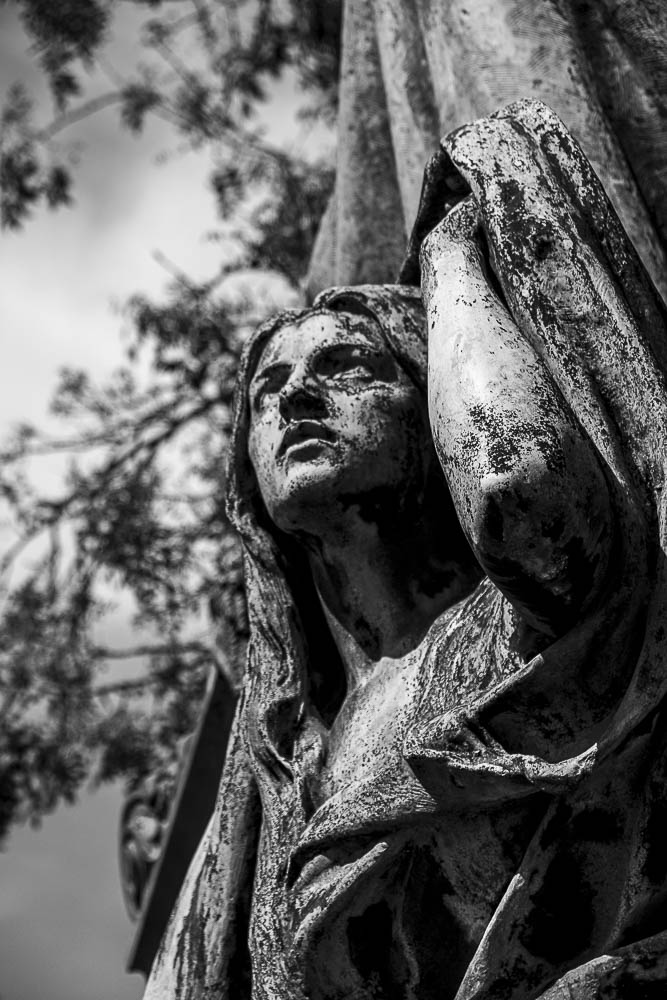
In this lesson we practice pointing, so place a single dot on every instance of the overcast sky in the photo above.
(64, 934)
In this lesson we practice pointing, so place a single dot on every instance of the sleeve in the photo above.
(525, 478)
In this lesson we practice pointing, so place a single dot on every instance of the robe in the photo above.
(583, 911)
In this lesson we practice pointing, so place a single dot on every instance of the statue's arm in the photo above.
(526, 482)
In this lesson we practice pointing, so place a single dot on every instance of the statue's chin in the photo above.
(317, 486)
(306, 496)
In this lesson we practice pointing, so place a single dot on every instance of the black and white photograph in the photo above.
(333, 519)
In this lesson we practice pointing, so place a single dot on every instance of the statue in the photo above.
(448, 773)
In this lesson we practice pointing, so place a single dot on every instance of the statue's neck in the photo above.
(381, 594)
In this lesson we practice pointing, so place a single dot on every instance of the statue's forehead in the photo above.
(294, 339)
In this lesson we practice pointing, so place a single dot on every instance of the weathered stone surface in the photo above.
(369, 212)
(438, 64)
(449, 766)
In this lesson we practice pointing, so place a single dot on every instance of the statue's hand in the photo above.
(442, 188)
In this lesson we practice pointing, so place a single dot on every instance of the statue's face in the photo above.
(333, 420)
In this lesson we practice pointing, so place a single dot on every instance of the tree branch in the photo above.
(147, 649)
(138, 684)
(77, 114)
(58, 508)
(233, 23)
(203, 19)
(121, 687)
(175, 63)
(133, 424)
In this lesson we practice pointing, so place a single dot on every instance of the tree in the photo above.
(142, 504)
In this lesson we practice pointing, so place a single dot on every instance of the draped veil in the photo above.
(589, 899)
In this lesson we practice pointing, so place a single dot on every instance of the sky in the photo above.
(63, 930)
(64, 934)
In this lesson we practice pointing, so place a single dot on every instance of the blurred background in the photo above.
(163, 170)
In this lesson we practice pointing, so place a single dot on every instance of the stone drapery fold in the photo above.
(414, 70)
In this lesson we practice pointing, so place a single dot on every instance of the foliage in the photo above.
(142, 504)
(207, 67)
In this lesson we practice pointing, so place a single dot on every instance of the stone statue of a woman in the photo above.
(447, 777)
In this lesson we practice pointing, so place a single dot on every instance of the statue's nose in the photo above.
(301, 399)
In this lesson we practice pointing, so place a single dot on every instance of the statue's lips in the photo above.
(305, 432)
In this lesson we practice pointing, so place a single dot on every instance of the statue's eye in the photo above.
(345, 362)
(267, 383)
